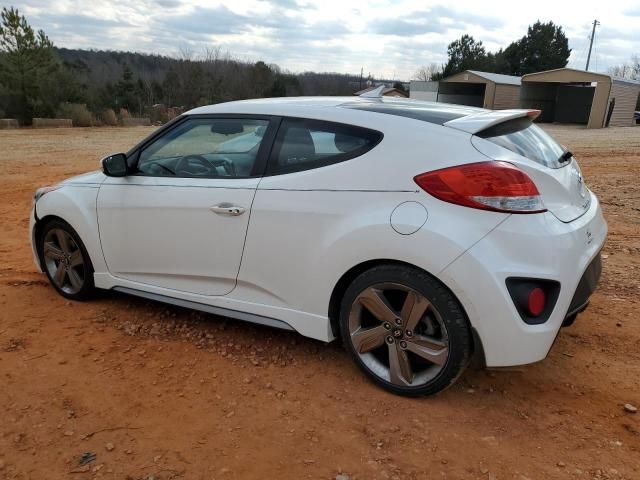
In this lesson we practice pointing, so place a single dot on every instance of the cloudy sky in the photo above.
(387, 38)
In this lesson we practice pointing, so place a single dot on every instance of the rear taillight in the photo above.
(496, 186)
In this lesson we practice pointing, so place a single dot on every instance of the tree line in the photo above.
(39, 80)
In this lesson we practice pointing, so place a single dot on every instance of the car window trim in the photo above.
(272, 169)
(259, 166)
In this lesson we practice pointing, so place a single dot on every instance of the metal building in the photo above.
(481, 89)
(421, 90)
(593, 99)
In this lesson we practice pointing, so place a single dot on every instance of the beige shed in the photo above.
(566, 95)
(481, 89)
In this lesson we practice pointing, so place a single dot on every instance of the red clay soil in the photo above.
(162, 392)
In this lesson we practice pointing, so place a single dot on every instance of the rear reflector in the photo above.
(536, 302)
(534, 298)
(496, 186)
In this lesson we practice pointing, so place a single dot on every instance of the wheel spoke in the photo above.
(74, 278)
(59, 275)
(413, 309)
(366, 339)
(430, 349)
(51, 251)
(373, 300)
(63, 241)
(400, 372)
(76, 258)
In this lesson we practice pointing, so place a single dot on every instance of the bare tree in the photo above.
(630, 70)
(426, 72)
(185, 52)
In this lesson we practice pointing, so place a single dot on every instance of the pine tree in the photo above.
(465, 54)
(26, 59)
(544, 47)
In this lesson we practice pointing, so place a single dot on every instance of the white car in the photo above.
(419, 233)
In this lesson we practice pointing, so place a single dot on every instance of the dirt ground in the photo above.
(161, 392)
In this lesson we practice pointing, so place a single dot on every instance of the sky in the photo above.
(388, 39)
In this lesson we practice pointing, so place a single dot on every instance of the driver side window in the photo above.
(205, 148)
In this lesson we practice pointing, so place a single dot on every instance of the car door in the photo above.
(179, 220)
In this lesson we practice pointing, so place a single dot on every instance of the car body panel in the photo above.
(301, 232)
(533, 246)
(75, 203)
(161, 231)
(300, 269)
(563, 189)
(88, 179)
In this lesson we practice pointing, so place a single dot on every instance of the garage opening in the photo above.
(559, 102)
(471, 94)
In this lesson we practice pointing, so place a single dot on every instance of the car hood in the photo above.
(91, 178)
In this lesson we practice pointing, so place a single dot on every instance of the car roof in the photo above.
(309, 107)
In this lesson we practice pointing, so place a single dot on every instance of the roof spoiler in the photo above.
(477, 122)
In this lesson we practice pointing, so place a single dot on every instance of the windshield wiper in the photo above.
(565, 157)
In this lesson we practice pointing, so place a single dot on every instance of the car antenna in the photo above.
(375, 93)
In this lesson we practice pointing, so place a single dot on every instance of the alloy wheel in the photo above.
(398, 334)
(64, 261)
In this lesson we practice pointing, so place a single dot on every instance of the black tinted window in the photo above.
(527, 139)
(304, 144)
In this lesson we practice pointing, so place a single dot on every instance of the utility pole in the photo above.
(593, 35)
(361, 72)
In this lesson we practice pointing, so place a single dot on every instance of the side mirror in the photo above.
(115, 165)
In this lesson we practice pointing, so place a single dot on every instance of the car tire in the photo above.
(65, 260)
(427, 340)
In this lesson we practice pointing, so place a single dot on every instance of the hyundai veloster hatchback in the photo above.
(418, 233)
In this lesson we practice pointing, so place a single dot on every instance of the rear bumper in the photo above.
(586, 287)
(529, 246)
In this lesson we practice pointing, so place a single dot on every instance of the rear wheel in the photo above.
(405, 330)
(66, 261)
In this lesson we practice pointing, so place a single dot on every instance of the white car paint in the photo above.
(187, 246)
(303, 231)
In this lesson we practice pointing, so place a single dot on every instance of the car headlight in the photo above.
(43, 191)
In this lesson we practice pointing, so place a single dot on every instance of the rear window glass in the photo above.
(525, 138)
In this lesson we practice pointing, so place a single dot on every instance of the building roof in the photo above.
(497, 77)
(389, 91)
(628, 81)
(573, 74)
(568, 74)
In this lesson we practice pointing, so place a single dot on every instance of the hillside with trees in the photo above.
(39, 80)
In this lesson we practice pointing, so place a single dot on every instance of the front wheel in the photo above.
(66, 261)
(405, 330)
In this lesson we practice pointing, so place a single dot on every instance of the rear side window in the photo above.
(304, 144)
(525, 138)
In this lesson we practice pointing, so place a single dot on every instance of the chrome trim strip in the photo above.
(244, 316)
